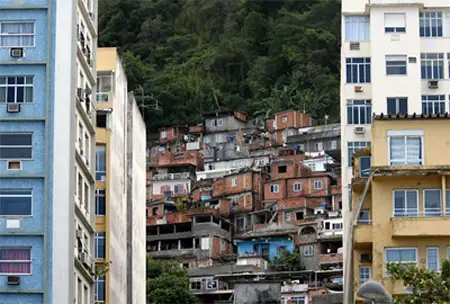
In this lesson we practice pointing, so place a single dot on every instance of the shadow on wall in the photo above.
(257, 293)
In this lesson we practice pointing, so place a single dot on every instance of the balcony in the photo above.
(168, 159)
(176, 253)
(330, 234)
(294, 288)
(331, 258)
(171, 176)
(363, 236)
(425, 226)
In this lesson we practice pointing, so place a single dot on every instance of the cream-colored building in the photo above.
(120, 182)
(394, 61)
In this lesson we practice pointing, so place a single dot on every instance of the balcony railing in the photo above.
(171, 176)
(428, 212)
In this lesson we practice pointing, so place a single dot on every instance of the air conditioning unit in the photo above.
(412, 59)
(80, 93)
(365, 257)
(359, 130)
(13, 280)
(433, 84)
(358, 89)
(17, 52)
(13, 107)
(354, 46)
(79, 233)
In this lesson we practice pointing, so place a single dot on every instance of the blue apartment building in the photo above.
(46, 174)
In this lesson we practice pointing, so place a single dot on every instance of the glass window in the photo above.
(406, 203)
(396, 65)
(432, 65)
(433, 258)
(353, 146)
(287, 216)
(104, 88)
(234, 182)
(405, 150)
(16, 146)
(364, 217)
(358, 70)
(15, 202)
(401, 255)
(364, 166)
(16, 89)
(430, 24)
(432, 202)
(274, 188)
(16, 34)
(15, 261)
(100, 163)
(397, 106)
(359, 112)
(100, 202)
(211, 283)
(100, 245)
(318, 185)
(357, 28)
(297, 187)
(364, 274)
(99, 289)
(195, 284)
(394, 23)
(433, 104)
(447, 200)
(297, 300)
(308, 250)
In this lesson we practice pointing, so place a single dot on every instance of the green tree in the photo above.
(426, 286)
(288, 261)
(167, 283)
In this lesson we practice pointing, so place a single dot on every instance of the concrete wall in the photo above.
(257, 293)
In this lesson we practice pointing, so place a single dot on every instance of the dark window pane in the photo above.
(391, 109)
(11, 80)
(403, 106)
(11, 94)
(20, 94)
(15, 139)
(349, 115)
(20, 80)
(15, 153)
(15, 205)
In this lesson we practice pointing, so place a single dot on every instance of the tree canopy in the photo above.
(259, 56)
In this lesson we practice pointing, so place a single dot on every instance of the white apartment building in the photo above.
(395, 59)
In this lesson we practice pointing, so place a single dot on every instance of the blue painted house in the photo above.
(265, 247)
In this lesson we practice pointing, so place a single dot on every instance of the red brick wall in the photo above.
(215, 246)
(275, 196)
(224, 186)
(308, 186)
(244, 203)
(294, 119)
(291, 170)
(191, 157)
(240, 115)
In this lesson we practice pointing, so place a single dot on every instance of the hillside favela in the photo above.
(224, 151)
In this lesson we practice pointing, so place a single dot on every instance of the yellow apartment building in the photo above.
(120, 186)
(400, 198)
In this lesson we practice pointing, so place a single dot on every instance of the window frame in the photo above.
(98, 281)
(234, 182)
(438, 63)
(18, 146)
(364, 222)
(97, 163)
(427, 21)
(273, 187)
(23, 85)
(363, 109)
(100, 235)
(19, 35)
(16, 195)
(390, 63)
(30, 261)
(298, 188)
(406, 134)
(406, 213)
(432, 213)
(416, 253)
(100, 88)
(308, 250)
(395, 30)
(98, 194)
(439, 102)
(363, 280)
(358, 21)
(361, 169)
(355, 146)
(397, 101)
(317, 182)
(438, 266)
(364, 76)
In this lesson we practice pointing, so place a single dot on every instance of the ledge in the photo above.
(84, 271)
(420, 226)
(21, 291)
(23, 119)
(21, 233)
(82, 217)
(386, 171)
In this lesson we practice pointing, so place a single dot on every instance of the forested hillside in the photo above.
(260, 56)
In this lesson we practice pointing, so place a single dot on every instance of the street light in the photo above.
(374, 292)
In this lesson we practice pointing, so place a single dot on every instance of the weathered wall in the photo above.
(257, 293)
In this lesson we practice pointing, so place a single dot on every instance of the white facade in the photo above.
(397, 36)
(317, 164)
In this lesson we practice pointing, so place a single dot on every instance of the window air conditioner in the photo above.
(365, 257)
(358, 89)
(412, 59)
(359, 130)
(13, 107)
(433, 84)
(354, 46)
(17, 52)
(13, 280)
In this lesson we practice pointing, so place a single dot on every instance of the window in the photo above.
(16, 34)
(396, 65)
(99, 289)
(196, 284)
(432, 202)
(297, 300)
(432, 65)
(102, 119)
(394, 23)
(274, 188)
(100, 245)
(359, 112)
(308, 250)
(406, 203)
(287, 217)
(86, 196)
(217, 122)
(15, 261)
(433, 258)
(234, 182)
(405, 149)
(154, 211)
(401, 255)
(297, 187)
(433, 104)
(364, 217)
(80, 137)
(337, 226)
(398, 105)
(16, 146)
(80, 188)
(353, 146)
(100, 163)
(234, 201)
(104, 88)
(364, 166)
(211, 283)
(15, 202)
(86, 147)
(282, 169)
(204, 243)
(357, 28)
(299, 216)
(333, 145)
(358, 70)
(220, 122)
(16, 89)
(430, 24)
(178, 188)
(318, 185)
(283, 119)
(100, 202)
(447, 199)
(364, 274)
(319, 146)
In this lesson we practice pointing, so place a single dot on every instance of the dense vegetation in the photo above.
(260, 56)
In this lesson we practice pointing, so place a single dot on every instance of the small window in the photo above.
(433, 258)
(281, 250)
(282, 169)
(333, 145)
(283, 119)
(274, 188)
(195, 285)
(99, 289)
(104, 88)
(364, 217)
(396, 65)
(102, 119)
(297, 187)
(100, 202)
(406, 203)
(16, 89)
(398, 105)
(15, 202)
(337, 226)
(163, 134)
(405, 149)
(364, 166)
(308, 250)
(319, 146)
(211, 283)
(100, 163)
(287, 217)
(16, 146)
(432, 66)
(234, 201)
(155, 211)
(204, 243)
(15, 261)
(364, 274)
(357, 28)
(234, 182)
(432, 201)
(318, 185)
(299, 216)
(394, 23)
(220, 122)
(100, 245)
(16, 34)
